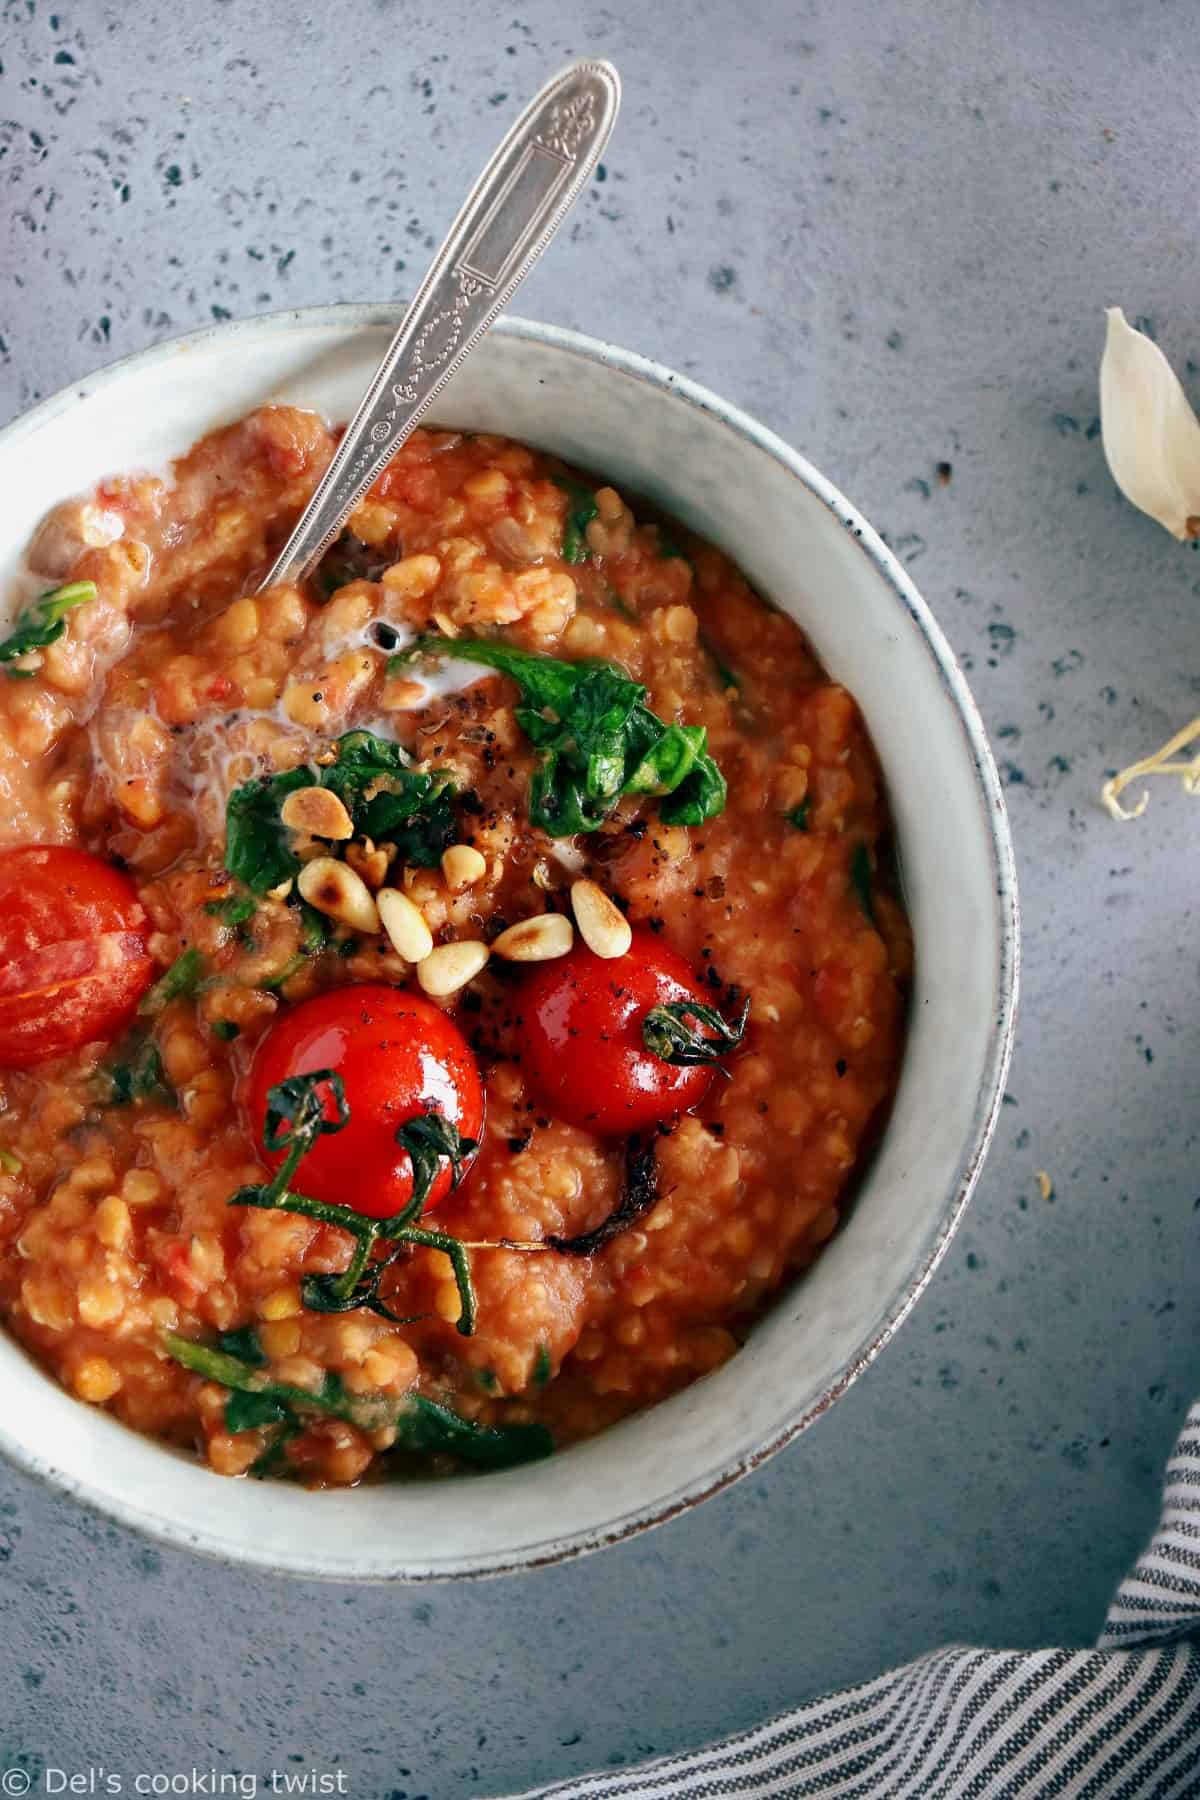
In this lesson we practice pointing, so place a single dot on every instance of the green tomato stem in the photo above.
(454, 1249)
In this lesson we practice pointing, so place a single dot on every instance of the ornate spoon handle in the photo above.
(508, 219)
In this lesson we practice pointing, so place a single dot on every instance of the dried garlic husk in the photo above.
(1152, 442)
(1151, 434)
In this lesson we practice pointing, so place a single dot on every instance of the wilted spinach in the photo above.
(581, 510)
(43, 623)
(386, 798)
(598, 740)
(420, 1424)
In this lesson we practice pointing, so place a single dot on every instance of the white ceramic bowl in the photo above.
(803, 545)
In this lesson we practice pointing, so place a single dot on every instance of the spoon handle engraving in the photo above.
(508, 219)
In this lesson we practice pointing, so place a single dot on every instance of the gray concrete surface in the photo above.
(888, 230)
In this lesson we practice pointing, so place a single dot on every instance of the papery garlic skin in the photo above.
(1151, 434)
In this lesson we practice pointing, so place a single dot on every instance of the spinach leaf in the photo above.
(235, 910)
(272, 1456)
(669, 759)
(391, 802)
(258, 848)
(183, 978)
(860, 880)
(581, 510)
(244, 1412)
(243, 1343)
(386, 798)
(316, 928)
(139, 1076)
(43, 623)
(422, 1425)
(226, 1030)
(799, 814)
(243, 1378)
(362, 760)
(702, 796)
(316, 934)
(271, 984)
(430, 1427)
(598, 740)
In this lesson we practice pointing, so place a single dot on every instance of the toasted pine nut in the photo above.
(410, 936)
(602, 926)
(451, 966)
(336, 890)
(317, 811)
(370, 861)
(463, 866)
(539, 939)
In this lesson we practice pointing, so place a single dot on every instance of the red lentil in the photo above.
(175, 684)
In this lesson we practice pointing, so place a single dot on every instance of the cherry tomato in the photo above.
(398, 1055)
(73, 958)
(579, 1027)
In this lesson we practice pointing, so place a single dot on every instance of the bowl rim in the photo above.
(351, 317)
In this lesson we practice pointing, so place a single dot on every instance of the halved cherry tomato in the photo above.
(579, 1031)
(398, 1055)
(73, 958)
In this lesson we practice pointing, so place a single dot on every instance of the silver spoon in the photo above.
(509, 217)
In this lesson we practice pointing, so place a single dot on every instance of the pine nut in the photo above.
(337, 891)
(410, 936)
(539, 939)
(602, 926)
(451, 966)
(317, 811)
(463, 866)
(370, 861)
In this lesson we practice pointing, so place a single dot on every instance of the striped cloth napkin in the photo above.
(1121, 1722)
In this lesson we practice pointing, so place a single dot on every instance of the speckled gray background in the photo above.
(889, 231)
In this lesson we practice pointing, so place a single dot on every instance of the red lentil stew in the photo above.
(440, 1005)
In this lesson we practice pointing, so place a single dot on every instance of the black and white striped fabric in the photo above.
(1121, 1722)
